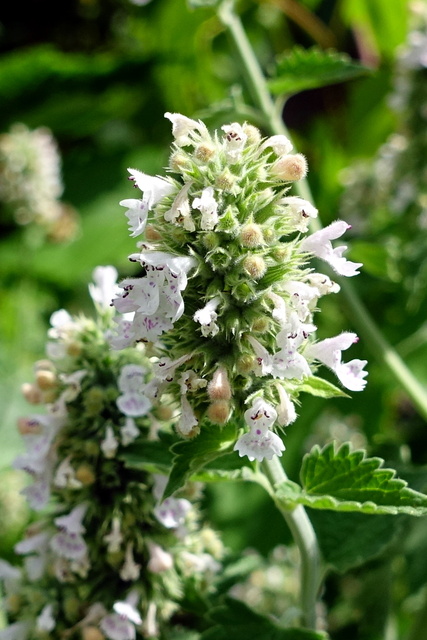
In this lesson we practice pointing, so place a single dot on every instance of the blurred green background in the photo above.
(99, 74)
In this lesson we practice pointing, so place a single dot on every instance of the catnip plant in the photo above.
(105, 556)
(228, 288)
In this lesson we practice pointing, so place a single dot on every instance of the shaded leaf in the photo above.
(343, 480)
(349, 540)
(303, 69)
(192, 455)
(237, 621)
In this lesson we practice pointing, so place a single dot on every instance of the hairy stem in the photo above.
(364, 322)
(305, 538)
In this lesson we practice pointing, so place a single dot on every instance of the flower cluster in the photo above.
(227, 295)
(30, 181)
(107, 557)
(393, 187)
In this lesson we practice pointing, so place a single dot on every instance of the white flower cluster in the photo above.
(103, 527)
(225, 232)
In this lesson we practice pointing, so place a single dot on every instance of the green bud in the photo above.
(226, 180)
(228, 222)
(94, 401)
(211, 240)
(72, 608)
(219, 259)
(244, 292)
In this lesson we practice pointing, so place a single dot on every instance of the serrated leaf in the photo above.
(343, 480)
(190, 456)
(235, 620)
(321, 388)
(303, 69)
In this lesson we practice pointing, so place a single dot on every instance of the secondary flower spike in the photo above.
(226, 295)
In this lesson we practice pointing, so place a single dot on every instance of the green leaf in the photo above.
(349, 540)
(237, 621)
(342, 480)
(192, 455)
(154, 457)
(321, 388)
(303, 69)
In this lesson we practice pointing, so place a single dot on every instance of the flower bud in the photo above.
(219, 259)
(219, 387)
(74, 349)
(210, 241)
(260, 325)
(164, 412)
(45, 379)
(253, 134)
(13, 603)
(254, 266)
(151, 233)
(85, 474)
(204, 151)
(245, 364)
(44, 365)
(31, 393)
(226, 180)
(219, 411)
(92, 633)
(251, 236)
(290, 168)
(179, 161)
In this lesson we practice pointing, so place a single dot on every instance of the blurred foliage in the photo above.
(100, 74)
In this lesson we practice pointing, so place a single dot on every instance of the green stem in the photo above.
(305, 538)
(366, 326)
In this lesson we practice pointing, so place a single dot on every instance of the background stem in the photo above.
(367, 328)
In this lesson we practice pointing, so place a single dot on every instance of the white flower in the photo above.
(328, 351)
(172, 511)
(45, 620)
(261, 414)
(200, 563)
(286, 413)
(110, 443)
(322, 283)
(131, 378)
(69, 545)
(208, 207)
(187, 420)
(130, 570)
(190, 381)
(129, 432)
(165, 368)
(72, 380)
(160, 560)
(235, 140)
(180, 212)
(260, 442)
(182, 127)
(114, 539)
(207, 316)
(117, 627)
(16, 631)
(319, 243)
(302, 297)
(153, 188)
(128, 609)
(280, 144)
(37, 543)
(300, 212)
(104, 286)
(65, 476)
(137, 213)
(73, 522)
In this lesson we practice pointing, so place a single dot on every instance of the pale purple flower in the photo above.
(73, 521)
(319, 244)
(171, 512)
(131, 378)
(117, 627)
(69, 545)
(65, 476)
(129, 432)
(260, 442)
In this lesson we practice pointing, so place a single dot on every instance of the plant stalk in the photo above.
(305, 538)
(364, 322)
